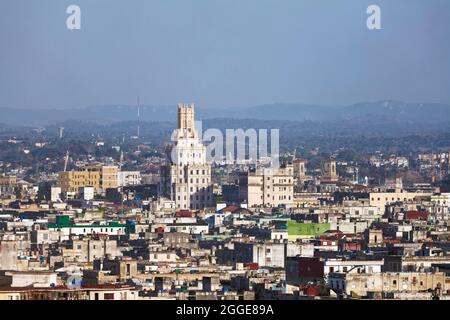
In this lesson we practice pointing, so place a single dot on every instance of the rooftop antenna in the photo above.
(433, 171)
(139, 117)
(448, 162)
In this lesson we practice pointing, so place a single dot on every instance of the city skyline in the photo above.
(236, 153)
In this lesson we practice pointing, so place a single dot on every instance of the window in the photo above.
(108, 296)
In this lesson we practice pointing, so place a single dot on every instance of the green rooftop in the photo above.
(306, 230)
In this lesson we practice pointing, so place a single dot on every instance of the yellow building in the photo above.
(8, 180)
(99, 177)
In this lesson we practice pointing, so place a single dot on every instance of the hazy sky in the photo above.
(220, 53)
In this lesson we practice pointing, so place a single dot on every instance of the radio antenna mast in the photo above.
(139, 117)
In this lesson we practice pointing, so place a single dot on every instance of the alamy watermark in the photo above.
(232, 146)
(73, 21)
(374, 19)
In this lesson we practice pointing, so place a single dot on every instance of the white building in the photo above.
(363, 212)
(128, 178)
(381, 199)
(352, 266)
(87, 193)
(186, 178)
(111, 229)
(55, 194)
(268, 186)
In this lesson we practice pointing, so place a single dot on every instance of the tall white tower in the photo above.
(186, 177)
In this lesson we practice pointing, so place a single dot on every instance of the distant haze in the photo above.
(385, 113)
(222, 53)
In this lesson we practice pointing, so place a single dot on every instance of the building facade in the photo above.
(299, 170)
(267, 186)
(129, 178)
(97, 176)
(186, 177)
(329, 171)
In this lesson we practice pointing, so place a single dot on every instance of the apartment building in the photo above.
(129, 178)
(381, 199)
(270, 187)
(388, 283)
(99, 177)
(7, 180)
(7, 183)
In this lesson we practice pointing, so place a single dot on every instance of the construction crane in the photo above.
(66, 161)
(433, 169)
(121, 160)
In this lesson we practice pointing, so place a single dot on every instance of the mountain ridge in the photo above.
(384, 110)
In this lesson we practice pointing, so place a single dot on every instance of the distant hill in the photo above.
(388, 112)
(366, 111)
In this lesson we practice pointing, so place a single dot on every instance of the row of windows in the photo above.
(196, 180)
(282, 197)
(190, 155)
(371, 212)
(280, 180)
(86, 184)
(155, 256)
(393, 199)
(197, 189)
(197, 172)
(192, 206)
(196, 198)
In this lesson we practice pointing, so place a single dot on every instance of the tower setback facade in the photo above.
(186, 176)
